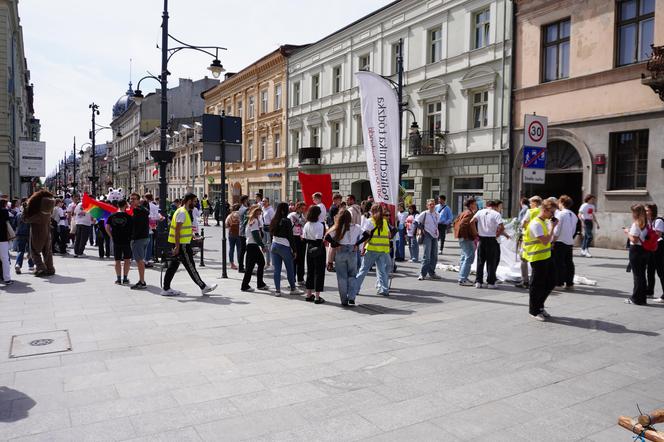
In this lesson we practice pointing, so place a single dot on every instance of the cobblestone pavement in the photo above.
(434, 361)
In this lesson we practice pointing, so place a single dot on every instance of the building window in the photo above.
(315, 87)
(480, 109)
(628, 160)
(635, 29)
(252, 107)
(335, 186)
(277, 145)
(296, 93)
(295, 138)
(263, 148)
(435, 45)
(277, 97)
(336, 79)
(394, 56)
(264, 102)
(239, 109)
(365, 62)
(336, 134)
(360, 131)
(464, 188)
(435, 188)
(434, 117)
(250, 150)
(556, 50)
(228, 110)
(482, 27)
(315, 136)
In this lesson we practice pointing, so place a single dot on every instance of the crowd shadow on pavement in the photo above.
(19, 287)
(61, 279)
(597, 324)
(14, 405)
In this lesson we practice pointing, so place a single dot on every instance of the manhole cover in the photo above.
(32, 344)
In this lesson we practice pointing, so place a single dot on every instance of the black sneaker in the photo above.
(125, 281)
(248, 289)
(139, 286)
(118, 282)
(319, 301)
(351, 302)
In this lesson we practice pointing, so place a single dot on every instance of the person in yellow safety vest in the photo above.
(205, 205)
(376, 251)
(537, 243)
(180, 234)
(535, 203)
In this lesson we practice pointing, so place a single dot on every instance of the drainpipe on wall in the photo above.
(502, 106)
(511, 110)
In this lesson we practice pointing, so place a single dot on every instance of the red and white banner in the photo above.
(380, 123)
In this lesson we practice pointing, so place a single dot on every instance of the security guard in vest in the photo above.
(537, 243)
(535, 203)
(377, 251)
(180, 235)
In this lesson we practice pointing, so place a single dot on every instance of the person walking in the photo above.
(4, 243)
(344, 236)
(588, 216)
(656, 259)
(205, 204)
(268, 215)
(537, 251)
(63, 227)
(489, 227)
(400, 248)
(155, 218)
(254, 251)
(298, 221)
(22, 243)
(377, 251)
(283, 248)
(233, 225)
(242, 213)
(318, 201)
(180, 234)
(140, 236)
(313, 233)
(428, 229)
(638, 256)
(445, 219)
(564, 243)
(217, 211)
(83, 222)
(466, 232)
(118, 226)
(413, 245)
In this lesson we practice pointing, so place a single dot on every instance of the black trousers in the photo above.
(442, 230)
(55, 238)
(656, 265)
(638, 260)
(242, 250)
(300, 258)
(63, 238)
(542, 282)
(82, 235)
(315, 268)
(563, 258)
(487, 253)
(186, 257)
(255, 258)
(103, 243)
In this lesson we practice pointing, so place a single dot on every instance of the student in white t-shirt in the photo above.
(318, 200)
(344, 236)
(588, 216)
(489, 227)
(313, 233)
(564, 243)
(656, 259)
(255, 250)
(638, 257)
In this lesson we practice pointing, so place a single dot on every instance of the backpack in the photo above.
(650, 243)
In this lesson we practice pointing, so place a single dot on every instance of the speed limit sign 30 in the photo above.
(535, 128)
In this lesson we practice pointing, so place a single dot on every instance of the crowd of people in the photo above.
(346, 238)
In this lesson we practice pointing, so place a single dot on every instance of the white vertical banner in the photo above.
(382, 147)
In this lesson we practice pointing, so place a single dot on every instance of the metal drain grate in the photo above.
(32, 344)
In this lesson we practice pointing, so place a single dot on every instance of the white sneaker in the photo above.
(658, 300)
(588, 255)
(539, 317)
(583, 252)
(277, 293)
(421, 278)
(207, 289)
(491, 286)
(170, 292)
(478, 285)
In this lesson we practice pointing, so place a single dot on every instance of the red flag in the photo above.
(310, 184)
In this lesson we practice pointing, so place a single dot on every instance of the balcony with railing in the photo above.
(655, 68)
(427, 143)
(309, 156)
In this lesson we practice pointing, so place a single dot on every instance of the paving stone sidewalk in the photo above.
(434, 361)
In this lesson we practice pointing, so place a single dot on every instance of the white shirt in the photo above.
(195, 214)
(61, 215)
(70, 209)
(350, 237)
(564, 230)
(429, 221)
(402, 217)
(635, 230)
(367, 225)
(658, 226)
(268, 214)
(313, 231)
(587, 211)
(488, 221)
(323, 213)
(81, 217)
(298, 223)
(536, 229)
(255, 225)
(154, 211)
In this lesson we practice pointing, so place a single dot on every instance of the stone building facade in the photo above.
(580, 64)
(456, 58)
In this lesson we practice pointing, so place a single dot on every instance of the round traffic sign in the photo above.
(535, 131)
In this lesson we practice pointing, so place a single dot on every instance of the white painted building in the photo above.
(457, 81)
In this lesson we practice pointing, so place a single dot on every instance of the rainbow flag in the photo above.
(97, 209)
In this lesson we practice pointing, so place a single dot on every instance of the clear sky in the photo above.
(78, 51)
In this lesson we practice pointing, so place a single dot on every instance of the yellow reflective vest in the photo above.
(533, 249)
(186, 231)
(380, 240)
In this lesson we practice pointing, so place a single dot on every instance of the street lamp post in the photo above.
(93, 133)
(74, 183)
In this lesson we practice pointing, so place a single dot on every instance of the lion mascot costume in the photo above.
(38, 215)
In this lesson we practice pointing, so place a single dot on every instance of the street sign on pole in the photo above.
(534, 158)
(534, 176)
(535, 128)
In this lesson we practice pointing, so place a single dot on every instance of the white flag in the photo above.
(382, 147)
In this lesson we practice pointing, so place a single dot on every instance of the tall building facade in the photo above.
(580, 64)
(456, 60)
(257, 94)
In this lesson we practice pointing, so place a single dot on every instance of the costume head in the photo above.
(40, 202)
(115, 195)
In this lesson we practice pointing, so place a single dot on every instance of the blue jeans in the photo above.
(233, 243)
(414, 249)
(345, 264)
(281, 253)
(587, 234)
(401, 244)
(467, 257)
(22, 248)
(430, 258)
(382, 261)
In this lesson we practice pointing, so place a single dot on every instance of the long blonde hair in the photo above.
(341, 224)
(254, 211)
(639, 214)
